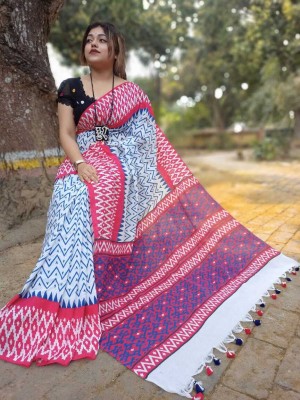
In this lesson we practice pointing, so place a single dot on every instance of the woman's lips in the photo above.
(94, 51)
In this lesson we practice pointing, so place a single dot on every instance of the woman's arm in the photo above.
(67, 137)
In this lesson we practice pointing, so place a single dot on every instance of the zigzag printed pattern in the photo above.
(84, 140)
(169, 159)
(37, 331)
(171, 264)
(112, 248)
(64, 272)
(126, 97)
(182, 271)
(157, 355)
(164, 204)
(135, 147)
(106, 196)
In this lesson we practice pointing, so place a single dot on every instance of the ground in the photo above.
(262, 196)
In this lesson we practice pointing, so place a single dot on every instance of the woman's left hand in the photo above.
(87, 173)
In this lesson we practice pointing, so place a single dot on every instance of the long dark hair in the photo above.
(116, 44)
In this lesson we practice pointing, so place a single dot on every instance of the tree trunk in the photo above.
(297, 124)
(27, 101)
(218, 117)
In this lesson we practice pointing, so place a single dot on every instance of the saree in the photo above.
(144, 264)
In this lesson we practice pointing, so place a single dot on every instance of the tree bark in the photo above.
(28, 118)
(297, 124)
(217, 114)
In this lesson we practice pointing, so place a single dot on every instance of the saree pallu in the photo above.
(143, 264)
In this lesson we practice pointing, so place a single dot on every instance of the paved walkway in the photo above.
(265, 198)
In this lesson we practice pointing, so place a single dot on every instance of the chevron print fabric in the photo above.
(144, 264)
(65, 271)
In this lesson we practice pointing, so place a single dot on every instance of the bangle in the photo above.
(76, 163)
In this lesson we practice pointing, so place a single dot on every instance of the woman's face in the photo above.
(96, 48)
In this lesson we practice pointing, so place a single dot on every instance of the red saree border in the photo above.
(99, 200)
(40, 330)
(141, 106)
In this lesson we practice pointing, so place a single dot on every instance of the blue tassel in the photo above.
(289, 279)
(198, 387)
(257, 322)
(216, 361)
(239, 341)
(277, 291)
(262, 305)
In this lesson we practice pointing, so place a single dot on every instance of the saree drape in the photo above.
(144, 264)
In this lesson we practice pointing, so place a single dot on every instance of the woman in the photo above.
(138, 259)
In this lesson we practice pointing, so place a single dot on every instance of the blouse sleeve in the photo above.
(64, 94)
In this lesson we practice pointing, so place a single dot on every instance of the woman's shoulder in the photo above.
(67, 91)
(131, 86)
(69, 83)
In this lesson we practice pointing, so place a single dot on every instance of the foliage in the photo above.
(275, 145)
(147, 28)
(209, 64)
(180, 124)
(250, 52)
(271, 51)
(240, 61)
(268, 149)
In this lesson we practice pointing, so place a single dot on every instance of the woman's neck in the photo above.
(101, 75)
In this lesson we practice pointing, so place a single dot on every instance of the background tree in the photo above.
(272, 38)
(28, 109)
(208, 71)
(148, 26)
(243, 63)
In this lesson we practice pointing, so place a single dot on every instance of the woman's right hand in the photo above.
(87, 173)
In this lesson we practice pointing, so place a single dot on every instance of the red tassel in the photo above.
(209, 370)
(294, 273)
(260, 313)
(247, 331)
(274, 296)
(230, 354)
(283, 284)
(198, 396)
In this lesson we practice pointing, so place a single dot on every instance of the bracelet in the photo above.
(76, 163)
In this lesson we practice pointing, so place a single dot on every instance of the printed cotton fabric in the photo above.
(144, 264)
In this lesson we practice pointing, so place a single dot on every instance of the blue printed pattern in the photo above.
(85, 140)
(135, 146)
(134, 143)
(65, 271)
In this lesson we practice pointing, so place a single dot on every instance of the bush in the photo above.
(268, 149)
(274, 146)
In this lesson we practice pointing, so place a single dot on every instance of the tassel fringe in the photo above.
(272, 293)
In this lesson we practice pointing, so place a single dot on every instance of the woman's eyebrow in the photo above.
(99, 35)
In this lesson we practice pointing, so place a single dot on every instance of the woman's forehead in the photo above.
(96, 31)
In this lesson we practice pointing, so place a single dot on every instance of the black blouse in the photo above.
(71, 93)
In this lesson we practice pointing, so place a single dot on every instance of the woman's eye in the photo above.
(103, 40)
